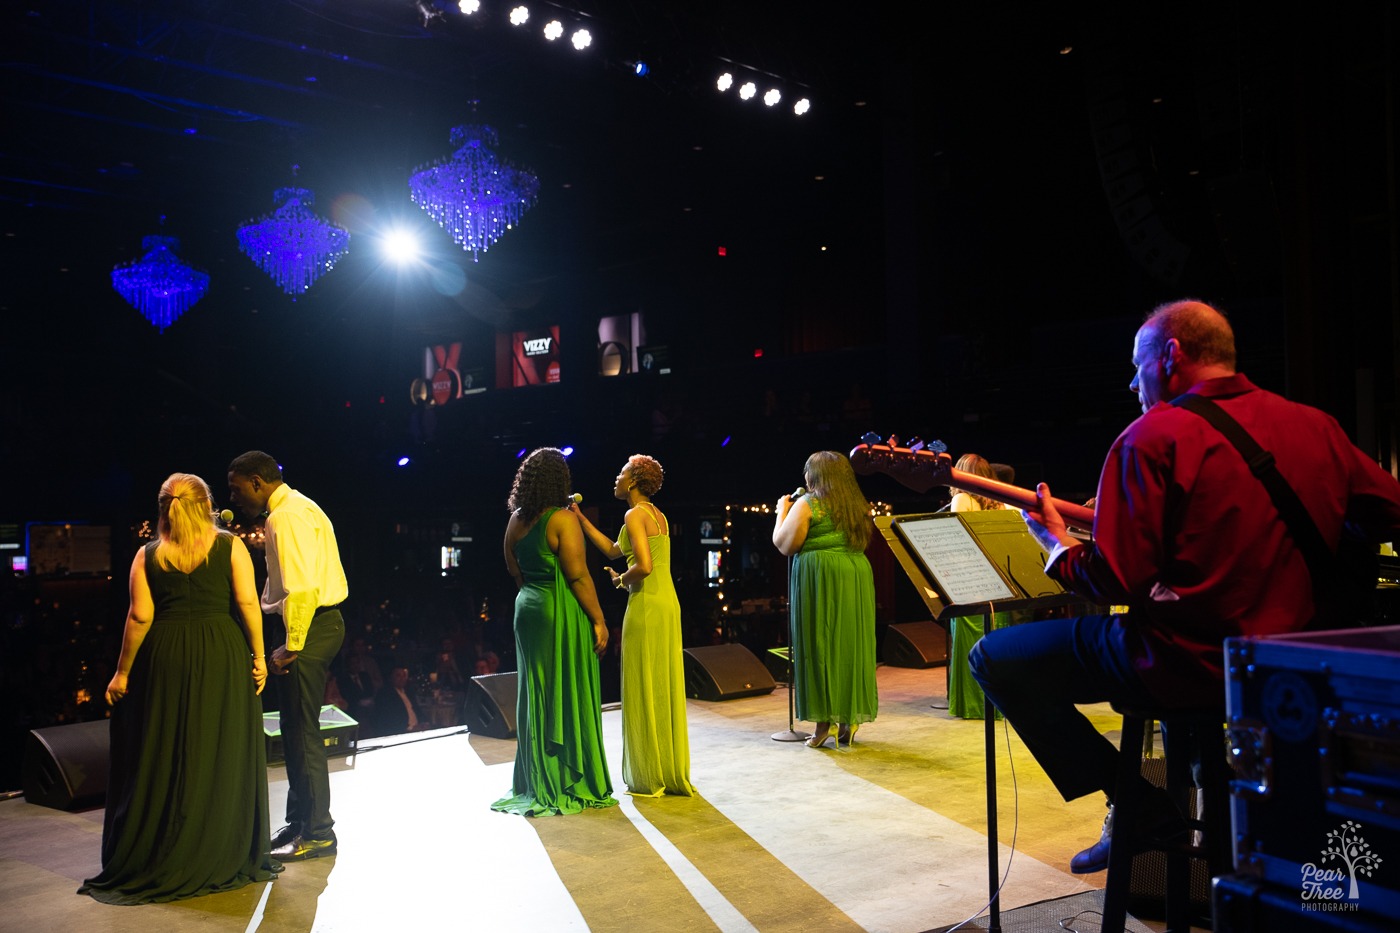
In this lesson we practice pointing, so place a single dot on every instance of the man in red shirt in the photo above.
(1189, 539)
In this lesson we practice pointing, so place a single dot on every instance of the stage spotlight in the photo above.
(401, 246)
(772, 96)
(640, 69)
(520, 454)
(566, 451)
(802, 106)
(582, 39)
(469, 6)
(553, 30)
(725, 82)
(748, 90)
(403, 461)
(519, 16)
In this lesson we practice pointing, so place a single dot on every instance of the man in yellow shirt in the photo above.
(305, 584)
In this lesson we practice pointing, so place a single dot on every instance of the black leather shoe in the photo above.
(1165, 829)
(283, 836)
(1095, 858)
(299, 850)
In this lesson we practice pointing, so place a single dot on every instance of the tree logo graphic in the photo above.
(1354, 859)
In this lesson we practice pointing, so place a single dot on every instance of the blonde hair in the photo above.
(186, 523)
(830, 478)
(978, 466)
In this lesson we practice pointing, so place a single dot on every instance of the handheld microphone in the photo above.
(798, 493)
(576, 498)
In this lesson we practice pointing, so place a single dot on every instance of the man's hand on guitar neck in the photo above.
(1045, 523)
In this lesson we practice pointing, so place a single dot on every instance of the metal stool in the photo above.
(1187, 735)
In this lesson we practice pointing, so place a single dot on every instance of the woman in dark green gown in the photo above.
(560, 766)
(187, 793)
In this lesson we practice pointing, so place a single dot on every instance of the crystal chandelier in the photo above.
(292, 244)
(474, 195)
(158, 284)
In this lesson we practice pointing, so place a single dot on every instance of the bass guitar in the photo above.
(922, 466)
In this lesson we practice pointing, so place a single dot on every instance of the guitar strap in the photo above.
(1322, 563)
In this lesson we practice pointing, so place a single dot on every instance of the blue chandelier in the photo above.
(292, 244)
(158, 284)
(474, 195)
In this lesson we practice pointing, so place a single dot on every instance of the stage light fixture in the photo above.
(553, 30)
(725, 82)
(748, 90)
(519, 16)
(403, 461)
(469, 6)
(802, 106)
(772, 96)
(566, 451)
(401, 246)
(582, 39)
(640, 69)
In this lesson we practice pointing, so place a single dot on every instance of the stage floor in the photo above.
(886, 836)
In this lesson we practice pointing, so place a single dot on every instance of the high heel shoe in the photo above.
(846, 734)
(818, 739)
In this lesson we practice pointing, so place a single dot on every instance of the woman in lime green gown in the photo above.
(560, 766)
(655, 739)
(831, 596)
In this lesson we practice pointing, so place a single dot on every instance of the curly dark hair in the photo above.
(542, 482)
(646, 473)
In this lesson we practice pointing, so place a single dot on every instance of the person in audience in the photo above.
(396, 707)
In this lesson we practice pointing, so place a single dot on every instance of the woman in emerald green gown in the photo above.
(187, 793)
(560, 766)
(655, 740)
(965, 698)
(831, 596)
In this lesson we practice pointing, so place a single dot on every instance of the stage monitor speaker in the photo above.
(65, 767)
(340, 733)
(725, 672)
(490, 705)
(915, 644)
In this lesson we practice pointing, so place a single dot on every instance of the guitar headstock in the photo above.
(920, 465)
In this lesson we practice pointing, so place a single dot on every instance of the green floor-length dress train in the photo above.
(187, 792)
(832, 599)
(655, 739)
(560, 766)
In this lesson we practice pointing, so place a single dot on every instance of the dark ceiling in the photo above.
(954, 210)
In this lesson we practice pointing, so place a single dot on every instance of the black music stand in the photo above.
(975, 563)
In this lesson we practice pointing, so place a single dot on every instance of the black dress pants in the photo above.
(300, 695)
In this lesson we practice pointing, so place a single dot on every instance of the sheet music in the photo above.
(951, 556)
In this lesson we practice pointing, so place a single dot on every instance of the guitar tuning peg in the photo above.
(894, 440)
(870, 438)
(916, 443)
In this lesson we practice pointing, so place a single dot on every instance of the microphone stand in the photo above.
(791, 735)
